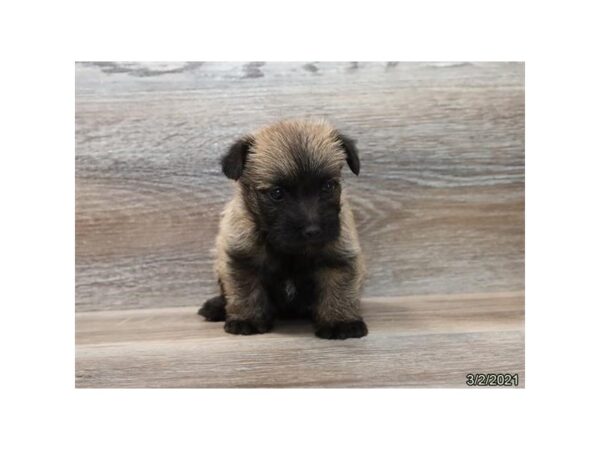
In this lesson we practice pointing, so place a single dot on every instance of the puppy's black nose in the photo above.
(312, 231)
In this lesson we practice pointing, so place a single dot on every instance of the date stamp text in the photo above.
(493, 379)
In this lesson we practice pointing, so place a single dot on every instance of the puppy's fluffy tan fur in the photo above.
(245, 262)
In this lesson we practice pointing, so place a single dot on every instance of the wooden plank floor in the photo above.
(422, 341)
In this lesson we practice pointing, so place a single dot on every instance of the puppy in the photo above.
(287, 245)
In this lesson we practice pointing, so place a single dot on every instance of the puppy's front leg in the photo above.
(248, 309)
(337, 312)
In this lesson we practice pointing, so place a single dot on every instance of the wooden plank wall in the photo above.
(439, 202)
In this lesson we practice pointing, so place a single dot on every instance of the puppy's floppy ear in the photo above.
(233, 161)
(351, 152)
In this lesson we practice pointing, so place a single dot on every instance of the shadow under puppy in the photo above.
(287, 245)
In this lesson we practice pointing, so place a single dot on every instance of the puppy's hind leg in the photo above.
(213, 309)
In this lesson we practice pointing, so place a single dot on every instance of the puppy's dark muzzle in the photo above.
(312, 232)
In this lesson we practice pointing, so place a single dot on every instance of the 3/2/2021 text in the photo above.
(492, 379)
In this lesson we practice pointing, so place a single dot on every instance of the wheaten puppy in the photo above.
(287, 244)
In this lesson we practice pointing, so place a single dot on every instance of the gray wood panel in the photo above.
(422, 341)
(439, 202)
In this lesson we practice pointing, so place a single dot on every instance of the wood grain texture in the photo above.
(439, 202)
(419, 341)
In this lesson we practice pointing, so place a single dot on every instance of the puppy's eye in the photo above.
(276, 193)
(329, 186)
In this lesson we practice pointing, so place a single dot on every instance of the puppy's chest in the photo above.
(290, 279)
(284, 267)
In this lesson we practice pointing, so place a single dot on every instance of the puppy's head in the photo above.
(290, 177)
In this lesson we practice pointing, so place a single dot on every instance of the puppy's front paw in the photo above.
(342, 330)
(246, 327)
